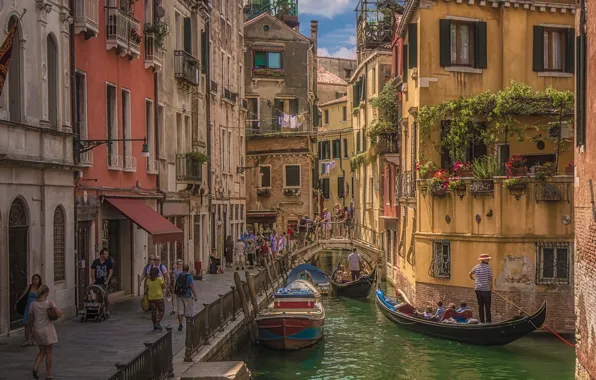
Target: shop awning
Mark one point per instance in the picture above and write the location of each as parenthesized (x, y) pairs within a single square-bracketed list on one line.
[(148, 219), (258, 216)]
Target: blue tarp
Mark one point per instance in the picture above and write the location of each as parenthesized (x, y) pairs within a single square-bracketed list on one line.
[(318, 276)]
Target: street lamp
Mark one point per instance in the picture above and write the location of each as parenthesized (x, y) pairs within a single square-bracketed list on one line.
[(82, 146)]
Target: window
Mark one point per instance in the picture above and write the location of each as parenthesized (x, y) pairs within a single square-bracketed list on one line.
[(325, 188), (374, 80), (326, 117), (358, 142), (187, 35), (325, 150), (347, 73), (112, 125), (14, 75), (345, 148), (369, 191), (336, 148), (462, 44), (291, 175), (126, 129), (150, 131), (440, 266), (344, 114), (53, 94), (252, 116), (81, 109), (340, 187), (412, 60), (554, 49), (270, 60), (552, 263), (59, 245)]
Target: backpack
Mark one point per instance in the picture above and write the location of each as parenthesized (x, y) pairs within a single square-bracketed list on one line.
[(181, 284)]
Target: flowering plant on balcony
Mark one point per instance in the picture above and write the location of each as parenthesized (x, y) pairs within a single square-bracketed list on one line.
[(571, 164), (439, 183), (425, 168), (545, 170), (512, 182), (160, 30), (454, 184), (198, 156), (135, 36), (263, 192), (516, 165), (267, 72), (462, 169)]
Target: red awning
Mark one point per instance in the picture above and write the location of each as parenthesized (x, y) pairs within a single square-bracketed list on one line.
[(148, 219)]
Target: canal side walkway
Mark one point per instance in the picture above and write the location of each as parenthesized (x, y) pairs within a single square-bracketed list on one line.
[(90, 350)]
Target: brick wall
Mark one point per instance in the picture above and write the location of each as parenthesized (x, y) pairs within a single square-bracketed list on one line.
[(559, 316), (402, 283)]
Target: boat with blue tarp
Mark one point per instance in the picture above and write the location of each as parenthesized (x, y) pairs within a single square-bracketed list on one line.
[(312, 274)]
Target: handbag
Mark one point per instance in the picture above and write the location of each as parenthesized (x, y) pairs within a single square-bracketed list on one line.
[(52, 313)]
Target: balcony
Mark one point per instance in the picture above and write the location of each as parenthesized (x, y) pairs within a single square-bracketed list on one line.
[(265, 72), (86, 159), (152, 166), (153, 51), (123, 32), (230, 96), (213, 87), (389, 147), (273, 127), (129, 164), (405, 185), (114, 162), (374, 24), (244, 105), (186, 68), (87, 18), (188, 169)]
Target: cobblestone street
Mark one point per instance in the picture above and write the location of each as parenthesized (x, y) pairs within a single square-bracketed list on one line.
[(90, 350)]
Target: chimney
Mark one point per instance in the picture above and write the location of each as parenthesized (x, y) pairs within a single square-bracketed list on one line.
[(314, 32)]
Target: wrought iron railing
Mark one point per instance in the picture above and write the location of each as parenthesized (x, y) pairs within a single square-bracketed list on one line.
[(186, 67), (277, 126), (390, 143), (153, 52), (188, 168), (213, 87), (405, 185)]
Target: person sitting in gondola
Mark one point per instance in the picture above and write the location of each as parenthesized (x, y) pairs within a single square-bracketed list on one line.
[(462, 307), (340, 275), (440, 311), (428, 313)]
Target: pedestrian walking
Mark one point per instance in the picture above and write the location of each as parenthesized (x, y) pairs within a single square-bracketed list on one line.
[(24, 303), (482, 274), (145, 273), (326, 224), (251, 250), (274, 244), (350, 221), (101, 272), (176, 270), (264, 253), (156, 287), (239, 250), (41, 314), (185, 294), (229, 251), (282, 244), (302, 228)]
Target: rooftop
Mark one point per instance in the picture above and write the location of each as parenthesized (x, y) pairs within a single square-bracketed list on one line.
[(326, 77), (335, 101)]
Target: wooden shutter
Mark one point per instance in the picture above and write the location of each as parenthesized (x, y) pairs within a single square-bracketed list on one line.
[(413, 44), (326, 188), (355, 100), (538, 55), (363, 87), (340, 187), (570, 51), (358, 142), (580, 91), (294, 106), (319, 150), (187, 35), (404, 63), (480, 60), (445, 42), (204, 52)]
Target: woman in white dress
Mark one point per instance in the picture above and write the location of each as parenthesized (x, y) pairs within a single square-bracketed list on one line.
[(44, 332)]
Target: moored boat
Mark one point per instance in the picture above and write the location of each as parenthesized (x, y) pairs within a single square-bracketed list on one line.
[(294, 319), (357, 289), (493, 334), (312, 274)]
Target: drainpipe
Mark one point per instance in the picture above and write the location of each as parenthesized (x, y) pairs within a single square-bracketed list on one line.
[(76, 129), (363, 136), (156, 120), (341, 166), (209, 130)]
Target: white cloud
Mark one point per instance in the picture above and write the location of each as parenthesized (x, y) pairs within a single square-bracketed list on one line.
[(342, 52), (326, 8)]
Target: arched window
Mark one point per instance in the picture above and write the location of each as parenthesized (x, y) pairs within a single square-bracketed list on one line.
[(59, 241), (52, 57), (14, 76)]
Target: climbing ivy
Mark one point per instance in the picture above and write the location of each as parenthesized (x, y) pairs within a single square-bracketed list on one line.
[(358, 160), (389, 115), (490, 116)]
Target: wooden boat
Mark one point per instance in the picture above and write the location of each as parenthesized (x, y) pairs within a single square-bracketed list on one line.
[(294, 319), (494, 334), (357, 289), (312, 274)]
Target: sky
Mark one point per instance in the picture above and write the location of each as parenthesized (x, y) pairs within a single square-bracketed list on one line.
[(337, 25)]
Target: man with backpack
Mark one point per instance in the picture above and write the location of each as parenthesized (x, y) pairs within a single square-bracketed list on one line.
[(185, 294)]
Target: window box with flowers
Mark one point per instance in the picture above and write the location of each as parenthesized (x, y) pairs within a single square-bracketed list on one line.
[(484, 169), (544, 171), (570, 168), (438, 185), (458, 187), (292, 192), (267, 72), (517, 166), (463, 169), (517, 186), (426, 169), (263, 192)]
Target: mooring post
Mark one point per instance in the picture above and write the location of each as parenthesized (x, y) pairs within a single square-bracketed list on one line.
[(233, 303), (251, 291), (244, 301)]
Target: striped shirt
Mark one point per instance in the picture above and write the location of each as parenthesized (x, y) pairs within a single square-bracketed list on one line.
[(484, 274)]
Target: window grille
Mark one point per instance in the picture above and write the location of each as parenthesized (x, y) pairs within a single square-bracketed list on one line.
[(411, 251), (440, 266), (552, 263), (59, 241), (402, 241)]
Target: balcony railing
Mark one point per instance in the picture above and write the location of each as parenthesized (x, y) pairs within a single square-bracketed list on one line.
[(188, 169), (115, 162), (270, 127), (390, 143), (153, 52), (123, 32), (267, 73), (87, 17), (405, 185), (186, 67), (244, 104), (129, 164), (152, 166), (213, 87), (230, 96), (86, 159)]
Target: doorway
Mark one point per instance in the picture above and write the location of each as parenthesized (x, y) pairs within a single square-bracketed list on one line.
[(111, 242), (18, 231), (84, 236)]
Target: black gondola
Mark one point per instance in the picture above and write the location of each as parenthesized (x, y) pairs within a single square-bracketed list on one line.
[(356, 289), (494, 334)]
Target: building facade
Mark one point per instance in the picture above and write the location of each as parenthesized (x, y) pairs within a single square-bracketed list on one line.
[(443, 230), (118, 201), (585, 223), (341, 67), (281, 92), (36, 160)]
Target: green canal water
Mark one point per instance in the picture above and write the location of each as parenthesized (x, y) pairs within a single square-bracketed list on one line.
[(360, 343)]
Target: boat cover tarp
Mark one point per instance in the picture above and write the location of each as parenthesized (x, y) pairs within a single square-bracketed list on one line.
[(318, 276)]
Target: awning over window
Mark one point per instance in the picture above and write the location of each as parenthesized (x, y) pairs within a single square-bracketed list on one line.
[(148, 219)]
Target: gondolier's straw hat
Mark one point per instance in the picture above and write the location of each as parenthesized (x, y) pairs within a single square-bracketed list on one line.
[(484, 256)]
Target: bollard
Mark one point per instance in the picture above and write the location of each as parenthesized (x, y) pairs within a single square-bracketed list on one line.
[(252, 292)]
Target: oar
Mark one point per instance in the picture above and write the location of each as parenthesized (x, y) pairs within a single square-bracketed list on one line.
[(543, 325)]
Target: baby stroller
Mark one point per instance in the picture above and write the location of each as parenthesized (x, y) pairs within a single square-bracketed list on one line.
[(95, 306)]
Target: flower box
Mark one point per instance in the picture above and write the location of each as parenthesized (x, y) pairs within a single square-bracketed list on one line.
[(521, 171), (570, 170), (292, 192), (482, 186), (439, 189), (263, 192)]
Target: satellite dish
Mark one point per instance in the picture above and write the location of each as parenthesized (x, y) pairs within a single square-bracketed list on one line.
[(160, 11)]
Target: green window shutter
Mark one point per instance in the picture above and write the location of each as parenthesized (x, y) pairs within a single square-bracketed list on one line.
[(481, 60), (413, 44), (355, 100), (358, 142), (187, 35), (580, 91), (294, 106), (570, 50), (340, 187), (538, 60), (445, 42), (204, 52), (319, 150), (404, 63), (260, 59)]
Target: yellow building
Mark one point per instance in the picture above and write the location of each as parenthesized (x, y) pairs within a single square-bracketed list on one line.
[(454, 50), (335, 146)]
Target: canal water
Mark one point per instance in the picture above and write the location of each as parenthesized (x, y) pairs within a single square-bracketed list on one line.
[(360, 343)]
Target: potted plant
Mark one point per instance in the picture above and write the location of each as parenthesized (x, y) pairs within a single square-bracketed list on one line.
[(198, 156), (570, 168), (517, 165), (484, 169), (438, 185), (263, 192), (455, 184), (516, 185), (135, 36), (542, 172), (292, 192), (426, 169), (463, 169), (160, 31)]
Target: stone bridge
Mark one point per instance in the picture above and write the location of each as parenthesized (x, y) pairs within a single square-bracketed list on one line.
[(369, 252)]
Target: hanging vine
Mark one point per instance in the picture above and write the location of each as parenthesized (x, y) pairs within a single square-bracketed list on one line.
[(389, 114), (490, 117)]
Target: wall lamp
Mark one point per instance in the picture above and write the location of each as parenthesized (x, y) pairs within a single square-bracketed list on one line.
[(82, 146)]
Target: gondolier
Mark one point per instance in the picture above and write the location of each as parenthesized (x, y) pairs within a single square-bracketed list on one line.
[(355, 260), (482, 274)]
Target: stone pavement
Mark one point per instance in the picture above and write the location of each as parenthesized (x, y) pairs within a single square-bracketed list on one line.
[(89, 351)]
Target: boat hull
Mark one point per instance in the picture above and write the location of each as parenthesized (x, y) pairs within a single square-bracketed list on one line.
[(495, 334), (355, 289), (289, 333)]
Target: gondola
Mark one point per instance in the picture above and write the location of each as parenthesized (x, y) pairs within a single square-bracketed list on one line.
[(356, 289), (494, 334)]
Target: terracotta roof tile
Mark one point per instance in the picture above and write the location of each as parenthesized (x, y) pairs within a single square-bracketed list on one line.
[(327, 77)]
